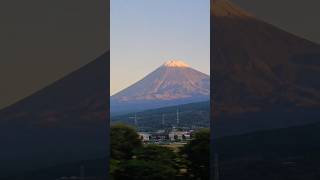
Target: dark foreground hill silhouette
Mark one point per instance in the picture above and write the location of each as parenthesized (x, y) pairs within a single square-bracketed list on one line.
[(263, 77), (286, 153), (64, 122)]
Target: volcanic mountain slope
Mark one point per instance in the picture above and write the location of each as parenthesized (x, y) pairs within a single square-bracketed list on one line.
[(172, 83), (64, 122), (258, 67)]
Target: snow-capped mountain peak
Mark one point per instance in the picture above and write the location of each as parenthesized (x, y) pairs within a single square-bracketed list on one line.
[(175, 63)]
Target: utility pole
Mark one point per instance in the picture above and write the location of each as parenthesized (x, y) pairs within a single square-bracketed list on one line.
[(216, 167), (162, 122), (82, 175), (135, 119), (178, 120)]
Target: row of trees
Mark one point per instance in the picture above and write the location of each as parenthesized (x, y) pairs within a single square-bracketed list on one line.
[(131, 160)]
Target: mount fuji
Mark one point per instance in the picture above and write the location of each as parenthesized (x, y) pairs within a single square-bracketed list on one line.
[(264, 77), (173, 83)]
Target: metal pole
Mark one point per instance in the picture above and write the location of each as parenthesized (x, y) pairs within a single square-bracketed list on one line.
[(162, 119), (135, 120), (82, 175), (178, 120)]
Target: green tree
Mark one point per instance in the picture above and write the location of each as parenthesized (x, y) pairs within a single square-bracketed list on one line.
[(197, 152), (114, 166), (124, 140), (160, 154), (144, 170), (149, 162)]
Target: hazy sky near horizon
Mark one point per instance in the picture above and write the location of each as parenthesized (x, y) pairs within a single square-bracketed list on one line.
[(146, 33)]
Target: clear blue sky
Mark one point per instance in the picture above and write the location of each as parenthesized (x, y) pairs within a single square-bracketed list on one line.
[(146, 33)]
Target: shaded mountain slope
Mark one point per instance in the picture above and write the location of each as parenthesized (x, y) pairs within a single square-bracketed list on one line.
[(81, 89), (63, 122), (260, 68)]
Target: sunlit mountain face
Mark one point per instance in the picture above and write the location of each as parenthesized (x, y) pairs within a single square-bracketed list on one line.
[(175, 82), (261, 73)]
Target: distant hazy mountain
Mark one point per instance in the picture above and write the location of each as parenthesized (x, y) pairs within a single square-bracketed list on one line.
[(190, 115), (64, 122), (172, 83), (264, 76)]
